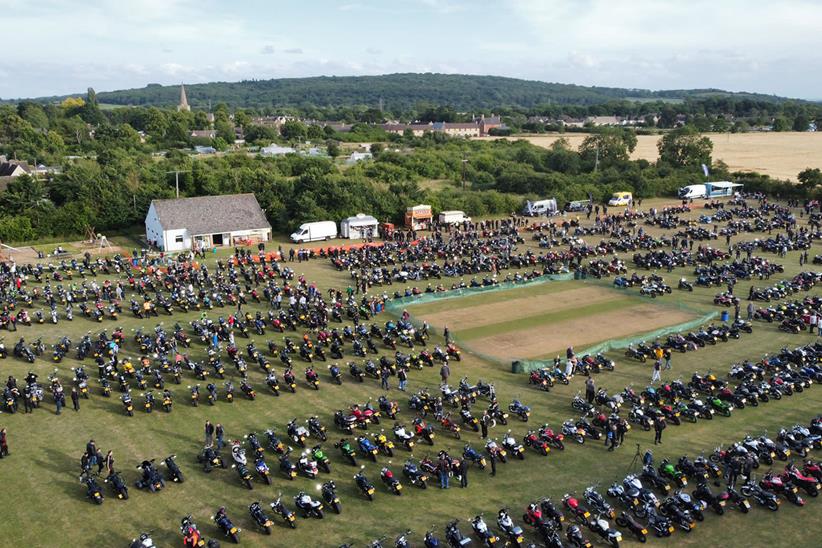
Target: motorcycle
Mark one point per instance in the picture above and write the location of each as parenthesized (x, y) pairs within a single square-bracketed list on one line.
[(226, 526), (280, 509), (175, 474), (119, 486), (454, 536), (512, 446), (600, 526), (259, 517), (576, 509), (329, 494), (627, 521), (485, 535), (309, 507), (414, 475), (393, 484), (364, 485), (508, 527)]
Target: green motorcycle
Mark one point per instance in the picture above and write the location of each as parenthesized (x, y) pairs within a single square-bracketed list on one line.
[(669, 471), (347, 451), (720, 406), (321, 459)]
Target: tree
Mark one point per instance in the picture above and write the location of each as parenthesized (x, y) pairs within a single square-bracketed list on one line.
[(376, 148), (293, 130), (810, 177), (608, 146), (685, 147), (800, 123), (333, 148), (225, 130), (780, 123)]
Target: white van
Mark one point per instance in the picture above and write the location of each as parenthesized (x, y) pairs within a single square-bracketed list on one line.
[(540, 207), (453, 217), (312, 232), (717, 189)]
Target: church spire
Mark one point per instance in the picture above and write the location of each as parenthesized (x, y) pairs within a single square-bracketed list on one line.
[(183, 106)]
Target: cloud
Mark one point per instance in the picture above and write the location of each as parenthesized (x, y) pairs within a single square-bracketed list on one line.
[(267, 50), (373, 51), (294, 51)]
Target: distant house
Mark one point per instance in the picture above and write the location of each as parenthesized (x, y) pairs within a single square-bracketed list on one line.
[(204, 133), (13, 168), (276, 150), (487, 124), (602, 121), (187, 223), (358, 157)]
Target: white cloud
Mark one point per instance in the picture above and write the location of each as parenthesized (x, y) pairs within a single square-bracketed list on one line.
[(294, 51), (267, 50)]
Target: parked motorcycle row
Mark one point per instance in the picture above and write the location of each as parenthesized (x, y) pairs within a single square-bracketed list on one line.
[(150, 478), (708, 335)]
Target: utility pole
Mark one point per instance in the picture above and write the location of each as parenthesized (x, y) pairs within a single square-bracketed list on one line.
[(177, 179), (464, 164)]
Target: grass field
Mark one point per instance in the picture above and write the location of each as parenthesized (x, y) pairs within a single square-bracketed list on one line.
[(782, 155), (49, 507)]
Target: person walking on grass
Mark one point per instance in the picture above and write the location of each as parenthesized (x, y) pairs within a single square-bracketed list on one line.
[(75, 399), (667, 356), (209, 434), (656, 375), (445, 372), (4, 443), (590, 390), (659, 426)]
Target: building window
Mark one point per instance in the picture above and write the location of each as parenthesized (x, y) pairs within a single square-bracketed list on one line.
[(178, 239)]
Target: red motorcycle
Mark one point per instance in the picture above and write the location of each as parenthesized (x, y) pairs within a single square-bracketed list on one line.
[(576, 509), (531, 439), (809, 483), (776, 484), (813, 469), (552, 438), (450, 426)]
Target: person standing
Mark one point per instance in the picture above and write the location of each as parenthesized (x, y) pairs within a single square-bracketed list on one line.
[(445, 372), (492, 456), (484, 420), (219, 432), (622, 427), (443, 469), (58, 399), (27, 399), (590, 390), (812, 322), (463, 473), (667, 356), (384, 374), (447, 334), (657, 366), (4, 443), (750, 311), (611, 437), (659, 426), (91, 451), (75, 399), (109, 462), (209, 434), (402, 377)]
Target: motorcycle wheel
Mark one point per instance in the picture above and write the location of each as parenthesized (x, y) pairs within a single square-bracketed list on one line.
[(267, 530), (521, 455), (369, 497), (621, 522), (389, 451), (125, 494), (456, 435), (503, 421), (642, 539), (772, 506), (235, 538), (812, 491), (580, 439)]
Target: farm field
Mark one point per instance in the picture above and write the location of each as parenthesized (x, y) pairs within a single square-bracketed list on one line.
[(779, 154), (45, 449)]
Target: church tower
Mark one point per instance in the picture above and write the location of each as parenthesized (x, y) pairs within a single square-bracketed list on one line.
[(183, 106)]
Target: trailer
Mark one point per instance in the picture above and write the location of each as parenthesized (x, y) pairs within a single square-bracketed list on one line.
[(418, 217), (708, 191), (359, 227), (540, 207)]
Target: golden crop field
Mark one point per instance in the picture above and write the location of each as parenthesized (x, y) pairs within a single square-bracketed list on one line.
[(782, 155)]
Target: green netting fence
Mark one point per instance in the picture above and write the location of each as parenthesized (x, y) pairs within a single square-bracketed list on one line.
[(395, 305), (526, 366)]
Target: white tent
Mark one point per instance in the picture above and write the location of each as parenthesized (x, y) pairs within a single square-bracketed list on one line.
[(358, 227)]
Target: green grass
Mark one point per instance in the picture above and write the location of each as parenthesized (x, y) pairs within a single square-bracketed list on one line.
[(43, 468), (548, 318)]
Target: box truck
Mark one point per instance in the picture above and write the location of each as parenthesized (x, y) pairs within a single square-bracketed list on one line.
[(708, 190), (452, 217), (312, 232)]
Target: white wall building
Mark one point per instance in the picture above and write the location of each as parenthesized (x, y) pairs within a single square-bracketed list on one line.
[(207, 221)]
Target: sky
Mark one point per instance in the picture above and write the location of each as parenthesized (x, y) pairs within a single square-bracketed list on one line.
[(55, 47)]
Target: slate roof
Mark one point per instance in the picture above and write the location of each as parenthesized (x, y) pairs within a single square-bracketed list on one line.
[(211, 214)]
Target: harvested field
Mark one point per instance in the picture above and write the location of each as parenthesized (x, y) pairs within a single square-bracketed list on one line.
[(782, 154), (549, 339)]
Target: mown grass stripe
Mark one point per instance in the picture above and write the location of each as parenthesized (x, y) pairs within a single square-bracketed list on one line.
[(546, 318), (489, 297)]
